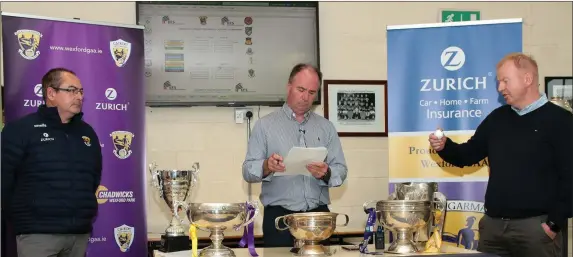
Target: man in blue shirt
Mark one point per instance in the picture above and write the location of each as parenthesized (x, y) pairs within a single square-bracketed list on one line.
[(293, 125)]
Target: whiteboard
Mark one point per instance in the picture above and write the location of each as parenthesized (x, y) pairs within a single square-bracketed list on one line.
[(225, 53)]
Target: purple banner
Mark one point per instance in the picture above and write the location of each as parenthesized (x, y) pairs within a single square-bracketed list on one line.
[(109, 62)]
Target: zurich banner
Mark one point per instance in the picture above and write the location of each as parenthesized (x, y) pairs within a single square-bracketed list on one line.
[(444, 76)]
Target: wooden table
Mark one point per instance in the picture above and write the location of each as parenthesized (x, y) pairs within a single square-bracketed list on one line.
[(449, 251)]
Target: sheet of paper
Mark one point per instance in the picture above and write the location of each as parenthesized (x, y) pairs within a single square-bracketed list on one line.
[(298, 157)]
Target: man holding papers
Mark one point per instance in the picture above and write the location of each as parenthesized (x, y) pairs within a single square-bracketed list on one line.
[(297, 156)]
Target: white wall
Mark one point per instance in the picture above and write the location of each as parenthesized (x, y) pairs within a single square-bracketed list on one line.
[(353, 46)]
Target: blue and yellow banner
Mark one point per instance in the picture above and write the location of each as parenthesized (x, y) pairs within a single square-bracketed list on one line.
[(444, 76)]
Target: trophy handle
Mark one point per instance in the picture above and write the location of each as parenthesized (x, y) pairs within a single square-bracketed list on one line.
[(194, 173), (393, 196), (345, 223), (184, 207), (284, 222), (439, 202), (439, 205), (366, 204), (189, 216), (255, 205), (155, 179), (254, 211)]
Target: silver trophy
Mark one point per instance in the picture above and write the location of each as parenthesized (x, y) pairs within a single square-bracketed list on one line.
[(427, 191), (420, 199), (403, 217), (218, 217), (174, 187), (310, 228)]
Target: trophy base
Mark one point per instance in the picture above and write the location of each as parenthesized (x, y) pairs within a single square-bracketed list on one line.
[(174, 243), (402, 246), (221, 251), (312, 250)]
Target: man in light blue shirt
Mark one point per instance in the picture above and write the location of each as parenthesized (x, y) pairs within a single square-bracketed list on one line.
[(293, 125)]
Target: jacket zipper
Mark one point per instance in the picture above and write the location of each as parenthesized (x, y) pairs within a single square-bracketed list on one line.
[(73, 217)]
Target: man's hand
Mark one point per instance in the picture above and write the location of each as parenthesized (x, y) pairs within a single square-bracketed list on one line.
[(317, 169), (548, 231), (437, 144), (273, 164)]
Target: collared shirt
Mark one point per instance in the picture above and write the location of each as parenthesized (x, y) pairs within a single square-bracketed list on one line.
[(533, 106), (277, 133)]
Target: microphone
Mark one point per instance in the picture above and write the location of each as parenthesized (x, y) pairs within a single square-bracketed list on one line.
[(302, 130)]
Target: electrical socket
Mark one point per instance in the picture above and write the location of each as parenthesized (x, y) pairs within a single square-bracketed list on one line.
[(241, 114)]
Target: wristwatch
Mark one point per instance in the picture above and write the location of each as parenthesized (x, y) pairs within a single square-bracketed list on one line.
[(553, 226), (326, 176)]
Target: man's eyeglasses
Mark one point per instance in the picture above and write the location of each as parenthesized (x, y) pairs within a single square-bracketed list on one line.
[(73, 90)]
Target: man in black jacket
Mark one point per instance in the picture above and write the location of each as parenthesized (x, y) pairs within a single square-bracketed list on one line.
[(529, 143), (51, 168)]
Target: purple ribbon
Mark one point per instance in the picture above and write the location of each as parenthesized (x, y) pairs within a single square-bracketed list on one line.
[(249, 232), (368, 231)]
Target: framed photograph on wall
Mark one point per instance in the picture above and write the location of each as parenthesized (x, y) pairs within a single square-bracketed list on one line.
[(562, 89), (357, 108), (559, 87)]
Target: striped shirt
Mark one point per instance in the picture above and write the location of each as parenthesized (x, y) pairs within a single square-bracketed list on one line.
[(277, 133)]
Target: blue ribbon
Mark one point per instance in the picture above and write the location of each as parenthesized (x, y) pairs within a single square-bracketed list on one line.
[(368, 230)]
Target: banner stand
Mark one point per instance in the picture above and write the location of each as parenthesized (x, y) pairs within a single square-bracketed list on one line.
[(109, 61), (443, 75), (2, 254)]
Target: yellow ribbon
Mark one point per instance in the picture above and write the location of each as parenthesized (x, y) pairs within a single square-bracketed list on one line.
[(193, 237)]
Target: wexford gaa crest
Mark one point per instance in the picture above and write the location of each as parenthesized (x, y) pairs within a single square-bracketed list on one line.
[(203, 20), (29, 41), (122, 143), (124, 237), (86, 140), (120, 51)]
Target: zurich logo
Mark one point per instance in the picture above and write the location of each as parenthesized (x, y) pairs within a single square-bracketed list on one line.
[(38, 90), (453, 58), (110, 94)]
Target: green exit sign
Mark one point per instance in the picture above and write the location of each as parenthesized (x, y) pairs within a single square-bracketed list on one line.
[(454, 16)]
